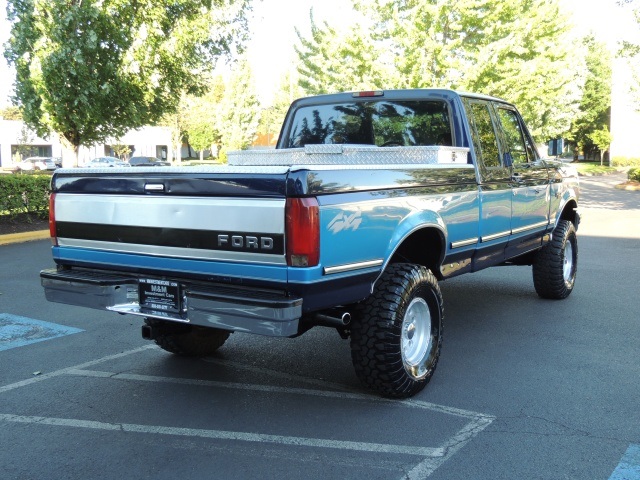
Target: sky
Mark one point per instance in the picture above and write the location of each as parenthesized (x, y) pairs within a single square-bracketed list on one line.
[(271, 53)]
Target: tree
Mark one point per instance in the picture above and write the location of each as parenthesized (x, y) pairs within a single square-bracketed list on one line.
[(239, 113), (332, 60), (121, 150), (200, 117), (91, 70), (226, 118), (272, 117), (11, 113), (595, 105), (516, 50), (602, 139)]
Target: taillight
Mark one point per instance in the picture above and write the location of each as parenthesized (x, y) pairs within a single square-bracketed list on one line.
[(370, 93), (52, 219), (303, 232)]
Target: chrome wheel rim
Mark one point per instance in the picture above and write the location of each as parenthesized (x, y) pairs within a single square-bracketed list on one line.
[(415, 340), (567, 266)]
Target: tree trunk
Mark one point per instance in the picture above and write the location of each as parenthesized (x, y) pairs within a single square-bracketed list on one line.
[(69, 155)]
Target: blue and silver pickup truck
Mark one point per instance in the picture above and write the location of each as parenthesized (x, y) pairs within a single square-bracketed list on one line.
[(368, 201)]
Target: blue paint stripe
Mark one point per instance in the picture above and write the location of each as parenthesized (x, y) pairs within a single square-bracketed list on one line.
[(16, 331), (629, 466)]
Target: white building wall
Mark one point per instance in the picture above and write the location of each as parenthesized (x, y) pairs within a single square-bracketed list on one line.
[(148, 141), (625, 117)]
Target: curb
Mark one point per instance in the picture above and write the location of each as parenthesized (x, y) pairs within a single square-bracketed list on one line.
[(628, 187), (24, 237)]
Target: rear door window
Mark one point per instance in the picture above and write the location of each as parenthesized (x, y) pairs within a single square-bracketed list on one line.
[(483, 133), (516, 139)]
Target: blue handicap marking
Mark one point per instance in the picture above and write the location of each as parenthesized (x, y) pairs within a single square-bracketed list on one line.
[(629, 466), (18, 331)]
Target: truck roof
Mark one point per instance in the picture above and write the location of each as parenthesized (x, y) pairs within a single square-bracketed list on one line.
[(393, 94)]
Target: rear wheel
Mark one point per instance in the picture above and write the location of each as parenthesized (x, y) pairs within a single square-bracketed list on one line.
[(187, 340), (556, 264), (396, 336)]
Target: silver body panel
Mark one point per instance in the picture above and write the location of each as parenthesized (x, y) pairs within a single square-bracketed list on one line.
[(189, 213)]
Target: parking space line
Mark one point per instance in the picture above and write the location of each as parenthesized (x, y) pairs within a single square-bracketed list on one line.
[(450, 447), (64, 371), (276, 389), (432, 457), (227, 435)]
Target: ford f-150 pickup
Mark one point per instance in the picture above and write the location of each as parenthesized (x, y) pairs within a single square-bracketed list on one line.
[(368, 201)]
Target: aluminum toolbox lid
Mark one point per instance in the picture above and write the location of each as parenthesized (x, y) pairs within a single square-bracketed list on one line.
[(349, 155)]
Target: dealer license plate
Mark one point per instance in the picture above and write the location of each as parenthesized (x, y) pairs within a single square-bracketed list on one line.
[(159, 295)]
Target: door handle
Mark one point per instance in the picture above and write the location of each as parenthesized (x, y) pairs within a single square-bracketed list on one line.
[(517, 177)]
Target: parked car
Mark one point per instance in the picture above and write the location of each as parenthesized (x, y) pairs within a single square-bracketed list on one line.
[(106, 162), (36, 163), (141, 161)]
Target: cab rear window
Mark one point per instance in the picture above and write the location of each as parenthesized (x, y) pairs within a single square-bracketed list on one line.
[(381, 123)]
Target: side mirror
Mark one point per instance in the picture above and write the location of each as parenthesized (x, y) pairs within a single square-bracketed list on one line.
[(508, 160), (555, 147)]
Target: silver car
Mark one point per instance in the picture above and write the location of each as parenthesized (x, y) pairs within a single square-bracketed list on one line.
[(36, 163), (105, 162)]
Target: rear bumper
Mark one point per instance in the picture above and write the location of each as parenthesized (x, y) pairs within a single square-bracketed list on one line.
[(229, 308)]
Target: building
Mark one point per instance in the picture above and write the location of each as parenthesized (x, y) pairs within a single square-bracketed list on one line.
[(17, 142), (625, 116)]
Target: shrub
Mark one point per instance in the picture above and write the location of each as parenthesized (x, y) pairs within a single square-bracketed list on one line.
[(634, 174), (625, 162), (24, 194)]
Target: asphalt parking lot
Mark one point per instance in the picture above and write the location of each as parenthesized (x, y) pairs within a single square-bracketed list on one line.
[(526, 388)]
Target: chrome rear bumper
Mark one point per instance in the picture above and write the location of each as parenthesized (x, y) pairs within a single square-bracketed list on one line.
[(228, 308)]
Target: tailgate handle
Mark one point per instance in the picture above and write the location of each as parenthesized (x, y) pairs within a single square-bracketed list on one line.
[(154, 187)]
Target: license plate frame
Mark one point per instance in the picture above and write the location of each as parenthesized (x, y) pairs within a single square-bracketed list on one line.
[(160, 296)]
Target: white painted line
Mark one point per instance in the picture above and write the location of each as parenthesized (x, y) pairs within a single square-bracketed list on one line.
[(434, 457), (64, 371), (275, 389), (450, 448), (225, 435)]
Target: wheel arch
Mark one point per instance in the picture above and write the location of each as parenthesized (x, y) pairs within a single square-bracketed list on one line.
[(423, 245), (569, 212)]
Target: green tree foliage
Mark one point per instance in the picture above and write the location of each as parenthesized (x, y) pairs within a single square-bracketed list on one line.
[(121, 150), (239, 113), (272, 117), (90, 70), (11, 113), (199, 116), (517, 50), (333, 60), (226, 118), (601, 138), (595, 105)]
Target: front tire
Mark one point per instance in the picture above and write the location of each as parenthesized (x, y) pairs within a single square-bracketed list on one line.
[(556, 264), (396, 336), (187, 340)]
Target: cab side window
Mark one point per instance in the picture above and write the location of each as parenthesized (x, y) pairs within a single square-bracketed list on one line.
[(516, 141), (483, 133)]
